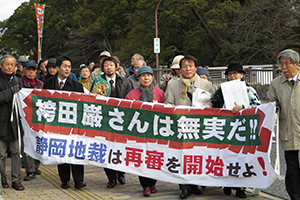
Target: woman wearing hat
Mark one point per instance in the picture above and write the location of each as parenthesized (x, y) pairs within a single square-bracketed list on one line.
[(149, 93), (235, 71)]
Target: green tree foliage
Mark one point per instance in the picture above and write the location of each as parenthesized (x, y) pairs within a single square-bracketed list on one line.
[(215, 31), (20, 31)]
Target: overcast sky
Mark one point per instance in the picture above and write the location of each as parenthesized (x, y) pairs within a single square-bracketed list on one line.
[(7, 7)]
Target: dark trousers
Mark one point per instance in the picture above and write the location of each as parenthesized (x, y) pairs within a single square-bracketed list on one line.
[(292, 177), (64, 172), (112, 174), (146, 182), (188, 187)]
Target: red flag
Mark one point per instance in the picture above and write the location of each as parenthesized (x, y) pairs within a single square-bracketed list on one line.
[(39, 11)]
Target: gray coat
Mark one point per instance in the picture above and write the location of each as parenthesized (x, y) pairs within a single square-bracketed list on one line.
[(287, 98)]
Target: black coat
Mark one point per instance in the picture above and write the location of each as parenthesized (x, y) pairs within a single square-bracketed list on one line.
[(70, 84), (123, 86), (218, 100), (9, 130)]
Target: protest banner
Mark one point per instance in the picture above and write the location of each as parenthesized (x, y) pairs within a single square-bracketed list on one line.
[(187, 145)]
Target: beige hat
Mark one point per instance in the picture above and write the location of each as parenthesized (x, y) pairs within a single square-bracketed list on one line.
[(104, 53), (176, 61)]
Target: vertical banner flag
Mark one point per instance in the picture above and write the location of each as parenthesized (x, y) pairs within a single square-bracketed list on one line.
[(39, 11)]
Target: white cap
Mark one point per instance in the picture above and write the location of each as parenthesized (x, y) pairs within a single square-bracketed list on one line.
[(104, 53), (176, 61)]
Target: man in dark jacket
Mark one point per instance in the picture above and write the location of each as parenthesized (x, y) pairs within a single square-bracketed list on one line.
[(10, 132), (120, 87), (62, 81), (30, 80)]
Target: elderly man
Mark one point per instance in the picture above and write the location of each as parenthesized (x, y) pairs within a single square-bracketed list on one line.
[(31, 81), (62, 81), (102, 56), (285, 91), (133, 78), (10, 132), (179, 92), (134, 58)]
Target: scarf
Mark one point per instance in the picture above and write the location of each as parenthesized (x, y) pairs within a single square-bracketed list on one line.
[(85, 83), (147, 93), (31, 82), (186, 86)]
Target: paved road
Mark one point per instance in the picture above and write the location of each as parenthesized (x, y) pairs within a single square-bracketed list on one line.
[(47, 187), (278, 187)]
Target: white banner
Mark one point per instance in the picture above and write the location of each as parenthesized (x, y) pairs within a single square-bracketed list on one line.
[(208, 146)]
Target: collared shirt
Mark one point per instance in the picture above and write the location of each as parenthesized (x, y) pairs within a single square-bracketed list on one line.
[(295, 77), (114, 79), (59, 80)]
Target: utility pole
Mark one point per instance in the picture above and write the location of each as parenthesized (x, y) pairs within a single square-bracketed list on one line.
[(156, 39)]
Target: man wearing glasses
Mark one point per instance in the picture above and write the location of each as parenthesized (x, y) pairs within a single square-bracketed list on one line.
[(285, 91)]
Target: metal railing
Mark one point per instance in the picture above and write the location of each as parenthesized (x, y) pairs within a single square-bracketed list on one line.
[(257, 76)]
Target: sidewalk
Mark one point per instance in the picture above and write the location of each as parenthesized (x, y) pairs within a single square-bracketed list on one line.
[(47, 186)]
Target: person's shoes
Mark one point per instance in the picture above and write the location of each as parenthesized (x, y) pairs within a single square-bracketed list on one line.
[(65, 185), (4, 182), (184, 194), (29, 176), (111, 184), (153, 189), (147, 192), (38, 172), (17, 185), (196, 191), (80, 185), (227, 191), (121, 179), (241, 193)]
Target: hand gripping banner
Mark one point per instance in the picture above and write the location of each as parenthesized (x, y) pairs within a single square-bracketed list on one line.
[(187, 145)]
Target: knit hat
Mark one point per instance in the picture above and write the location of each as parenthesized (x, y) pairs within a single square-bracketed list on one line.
[(29, 63), (51, 62), (145, 69), (234, 67), (104, 53), (176, 61), (201, 71)]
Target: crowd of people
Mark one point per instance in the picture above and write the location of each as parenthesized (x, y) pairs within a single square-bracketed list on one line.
[(137, 82)]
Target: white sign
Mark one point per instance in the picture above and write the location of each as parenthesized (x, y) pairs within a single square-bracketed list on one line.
[(156, 45), (235, 91)]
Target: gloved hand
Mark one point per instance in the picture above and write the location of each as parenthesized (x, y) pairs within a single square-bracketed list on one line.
[(15, 88)]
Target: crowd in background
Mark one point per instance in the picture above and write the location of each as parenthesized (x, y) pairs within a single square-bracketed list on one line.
[(135, 83)]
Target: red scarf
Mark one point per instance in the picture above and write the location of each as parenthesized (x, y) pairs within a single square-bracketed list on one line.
[(31, 82)]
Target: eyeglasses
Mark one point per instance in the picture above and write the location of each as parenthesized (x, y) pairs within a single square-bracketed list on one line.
[(285, 63)]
